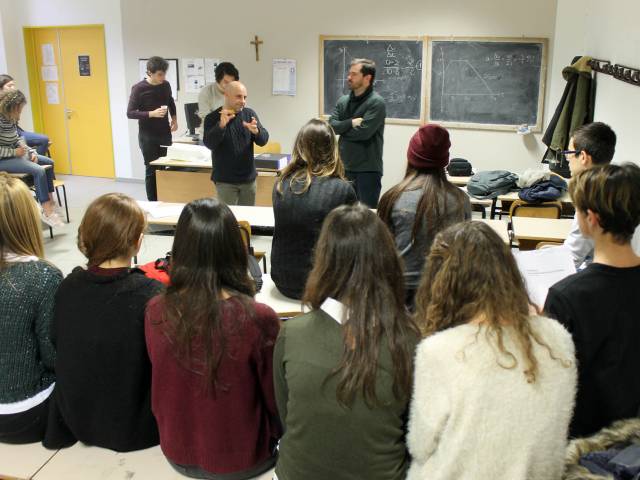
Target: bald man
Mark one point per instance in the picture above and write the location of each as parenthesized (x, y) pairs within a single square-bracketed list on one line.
[(230, 132)]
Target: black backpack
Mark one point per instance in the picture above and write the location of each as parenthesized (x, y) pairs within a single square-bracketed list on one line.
[(459, 167)]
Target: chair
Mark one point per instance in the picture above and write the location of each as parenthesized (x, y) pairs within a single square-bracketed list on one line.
[(270, 147), (245, 230), (57, 184), (520, 208)]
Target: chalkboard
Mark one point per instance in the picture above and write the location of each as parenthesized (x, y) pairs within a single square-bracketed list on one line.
[(399, 67), (486, 83)]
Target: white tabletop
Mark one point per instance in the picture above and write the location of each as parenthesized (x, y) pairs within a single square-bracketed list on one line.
[(542, 229), (271, 296), (500, 227), (22, 461), (261, 217)]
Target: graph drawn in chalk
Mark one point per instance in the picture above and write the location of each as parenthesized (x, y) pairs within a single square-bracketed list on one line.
[(482, 90)]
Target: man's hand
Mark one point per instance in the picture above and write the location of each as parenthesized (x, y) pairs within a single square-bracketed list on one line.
[(174, 124), (158, 112), (226, 116), (252, 126), (356, 122), (34, 157), (21, 151)]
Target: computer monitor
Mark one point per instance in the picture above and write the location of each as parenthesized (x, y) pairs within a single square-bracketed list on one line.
[(193, 120)]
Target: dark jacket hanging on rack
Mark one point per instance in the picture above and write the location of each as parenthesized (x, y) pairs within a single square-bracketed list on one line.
[(574, 110)]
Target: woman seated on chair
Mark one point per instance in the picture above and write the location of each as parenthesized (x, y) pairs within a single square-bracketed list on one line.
[(310, 187), (27, 288), (17, 157), (343, 372), (494, 383), (211, 346), (424, 203), (35, 140), (103, 390)]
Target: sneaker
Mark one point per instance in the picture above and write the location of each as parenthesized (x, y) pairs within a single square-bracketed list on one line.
[(52, 220)]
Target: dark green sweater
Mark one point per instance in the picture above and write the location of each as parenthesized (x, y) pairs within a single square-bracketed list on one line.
[(360, 147), (27, 355), (322, 439)]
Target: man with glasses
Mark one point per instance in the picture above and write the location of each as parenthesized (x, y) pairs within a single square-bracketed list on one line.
[(590, 145)]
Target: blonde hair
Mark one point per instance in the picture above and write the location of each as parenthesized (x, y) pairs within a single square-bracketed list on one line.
[(315, 154), (470, 273), (19, 220)]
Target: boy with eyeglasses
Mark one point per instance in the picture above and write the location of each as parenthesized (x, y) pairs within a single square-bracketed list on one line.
[(590, 145)]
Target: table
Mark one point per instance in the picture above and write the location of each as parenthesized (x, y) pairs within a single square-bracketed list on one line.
[(269, 295), (500, 227), (530, 231), (185, 175)]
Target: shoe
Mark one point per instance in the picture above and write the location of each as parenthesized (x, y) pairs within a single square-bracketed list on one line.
[(52, 220)]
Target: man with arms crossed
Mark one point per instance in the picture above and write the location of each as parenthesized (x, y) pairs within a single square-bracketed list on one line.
[(359, 120), (230, 132)]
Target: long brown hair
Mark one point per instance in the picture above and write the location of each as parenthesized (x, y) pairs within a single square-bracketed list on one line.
[(208, 256), (432, 207), (315, 154), (471, 274), (110, 228), (20, 232), (355, 262)]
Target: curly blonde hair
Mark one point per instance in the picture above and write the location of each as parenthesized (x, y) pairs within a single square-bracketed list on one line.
[(470, 274)]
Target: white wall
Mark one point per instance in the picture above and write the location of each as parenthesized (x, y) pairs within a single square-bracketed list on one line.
[(290, 29), (16, 15), (605, 30)]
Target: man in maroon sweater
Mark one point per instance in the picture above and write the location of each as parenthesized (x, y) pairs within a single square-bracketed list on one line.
[(149, 103)]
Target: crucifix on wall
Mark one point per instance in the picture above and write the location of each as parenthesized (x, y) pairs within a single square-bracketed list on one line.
[(257, 42)]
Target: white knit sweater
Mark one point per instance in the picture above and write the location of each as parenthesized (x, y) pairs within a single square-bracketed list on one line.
[(471, 418)]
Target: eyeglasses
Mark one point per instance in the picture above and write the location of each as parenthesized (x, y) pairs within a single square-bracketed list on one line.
[(569, 152)]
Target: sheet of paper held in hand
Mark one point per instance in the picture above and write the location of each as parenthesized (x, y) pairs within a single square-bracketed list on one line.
[(543, 268)]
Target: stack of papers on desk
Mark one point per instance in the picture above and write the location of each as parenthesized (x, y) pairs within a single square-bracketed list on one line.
[(544, 268), (186, 152)]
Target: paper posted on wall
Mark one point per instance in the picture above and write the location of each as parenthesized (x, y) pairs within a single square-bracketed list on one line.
[(284, 76)]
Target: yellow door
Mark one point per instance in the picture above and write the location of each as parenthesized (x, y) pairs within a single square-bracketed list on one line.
[(80, 125), (47, 96)]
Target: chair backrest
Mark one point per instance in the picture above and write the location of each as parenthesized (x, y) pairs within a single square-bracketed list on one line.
[(270, 147), (245, 231), (520, 208)]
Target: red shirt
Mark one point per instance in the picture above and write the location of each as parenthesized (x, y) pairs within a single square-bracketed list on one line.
[(236, 429)]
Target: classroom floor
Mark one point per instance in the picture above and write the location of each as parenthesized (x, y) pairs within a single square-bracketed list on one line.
[(62, 250)]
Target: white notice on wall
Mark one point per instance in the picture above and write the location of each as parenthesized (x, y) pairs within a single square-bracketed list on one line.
[(284, 76), (193, 66), (210, 65), (53, 97), (48, 58), (49, 73), (195, 83)]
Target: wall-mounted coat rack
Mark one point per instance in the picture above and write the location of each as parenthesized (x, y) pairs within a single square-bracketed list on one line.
[(626, 74)]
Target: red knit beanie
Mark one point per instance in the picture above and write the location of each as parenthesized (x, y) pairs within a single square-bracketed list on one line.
[(429, 147)]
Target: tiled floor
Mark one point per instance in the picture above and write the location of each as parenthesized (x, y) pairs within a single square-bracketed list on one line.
[(62, 250)]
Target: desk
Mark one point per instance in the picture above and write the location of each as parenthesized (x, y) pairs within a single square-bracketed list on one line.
[(23, 461), (531, 231), (500, 227), (458, 181), (260, 218), (270, 295), (186, 175)]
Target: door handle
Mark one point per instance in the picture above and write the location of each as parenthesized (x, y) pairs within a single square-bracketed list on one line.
[(68, 112)]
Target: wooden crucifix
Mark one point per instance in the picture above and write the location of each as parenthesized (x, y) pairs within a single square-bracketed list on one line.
[(257, 42)]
